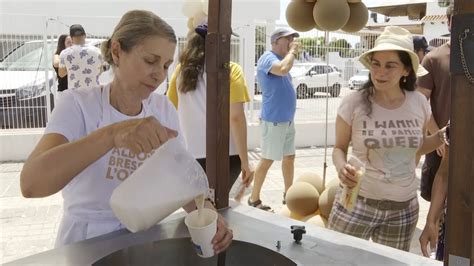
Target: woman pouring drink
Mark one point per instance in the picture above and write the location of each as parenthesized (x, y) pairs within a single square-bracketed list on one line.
[(92, 132)]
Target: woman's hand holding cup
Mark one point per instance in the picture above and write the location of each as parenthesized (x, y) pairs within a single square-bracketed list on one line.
[(347, 175), (351, 172)]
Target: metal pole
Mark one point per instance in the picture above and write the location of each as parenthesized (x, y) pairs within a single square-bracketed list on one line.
[(46, 56), (325, 165)]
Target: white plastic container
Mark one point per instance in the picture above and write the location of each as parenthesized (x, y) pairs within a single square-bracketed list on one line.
[(167, 180)]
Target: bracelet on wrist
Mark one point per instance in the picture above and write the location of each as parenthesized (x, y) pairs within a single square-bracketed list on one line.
[(441, 136)]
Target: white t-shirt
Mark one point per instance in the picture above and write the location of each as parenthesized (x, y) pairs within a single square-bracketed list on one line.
[(83, 64), (387, 142), (192, 114), (87, 212)]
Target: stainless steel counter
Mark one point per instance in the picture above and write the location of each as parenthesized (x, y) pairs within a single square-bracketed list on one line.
[(318, 246)]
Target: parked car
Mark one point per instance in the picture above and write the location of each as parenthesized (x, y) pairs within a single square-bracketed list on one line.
[(257, 89), (359, 79), (23, 85), (309, 78)]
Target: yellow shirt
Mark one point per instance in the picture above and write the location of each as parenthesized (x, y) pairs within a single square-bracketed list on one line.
[(192, 108), (238, 88)]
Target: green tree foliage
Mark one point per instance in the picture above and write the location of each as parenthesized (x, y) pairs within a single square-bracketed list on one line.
[(316, 47), (313, 46), (260, 41), (342, 46)]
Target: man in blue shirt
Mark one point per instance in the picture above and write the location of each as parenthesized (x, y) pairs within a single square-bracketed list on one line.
[(278, 111)]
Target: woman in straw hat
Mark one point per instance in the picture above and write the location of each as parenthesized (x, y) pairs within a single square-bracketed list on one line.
[(385, 122)]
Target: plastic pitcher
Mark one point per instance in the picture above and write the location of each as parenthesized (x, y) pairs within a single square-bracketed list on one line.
[(166, 181)]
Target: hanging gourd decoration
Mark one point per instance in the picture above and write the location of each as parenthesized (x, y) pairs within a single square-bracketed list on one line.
[(312, 178), (205, 6), (331, 15), (302, 198), (199, 18), (190, 24), (191, 8), (358, 18), (196, 12), (299, 15), (316, 26), (318, 220), (326, 199)]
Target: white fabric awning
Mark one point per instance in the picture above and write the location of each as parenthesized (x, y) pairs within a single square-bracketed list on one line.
[(414, 9)]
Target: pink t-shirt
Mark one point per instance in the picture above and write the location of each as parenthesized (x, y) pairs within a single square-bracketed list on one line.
[(387, 142)]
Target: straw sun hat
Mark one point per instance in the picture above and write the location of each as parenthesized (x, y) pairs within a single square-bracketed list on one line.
[(395, 39)]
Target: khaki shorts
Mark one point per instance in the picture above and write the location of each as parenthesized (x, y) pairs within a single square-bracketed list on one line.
[(278, 139)]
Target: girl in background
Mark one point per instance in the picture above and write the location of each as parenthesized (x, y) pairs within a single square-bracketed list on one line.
[(187, 91), (64, 41)]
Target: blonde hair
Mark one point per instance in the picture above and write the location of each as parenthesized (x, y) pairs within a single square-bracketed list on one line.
[(134, 27), (192, 62)]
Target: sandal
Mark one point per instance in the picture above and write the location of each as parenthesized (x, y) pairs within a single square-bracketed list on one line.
[(258, 204)]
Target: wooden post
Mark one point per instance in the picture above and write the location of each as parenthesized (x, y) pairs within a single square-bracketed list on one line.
[(459, 248), (217, 107), (217, 117)]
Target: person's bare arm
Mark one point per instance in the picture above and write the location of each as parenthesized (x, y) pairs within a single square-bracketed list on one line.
[(432, 129), (424, 91), (283, 67), (55, 162), (345, 171), (439, 190), (238, 127), (433, 124), (56, 60), (438, 197), (62, 72), (431, 142)]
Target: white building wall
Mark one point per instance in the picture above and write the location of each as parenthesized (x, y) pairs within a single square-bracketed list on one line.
[(432, 8), (435, 29), (16, 145)]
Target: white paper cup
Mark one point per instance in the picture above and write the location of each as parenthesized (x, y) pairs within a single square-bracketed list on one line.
[(202, 231)]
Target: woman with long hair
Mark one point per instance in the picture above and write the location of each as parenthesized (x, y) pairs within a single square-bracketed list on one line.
[(64, 41), (187, 91), (385, 122)]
